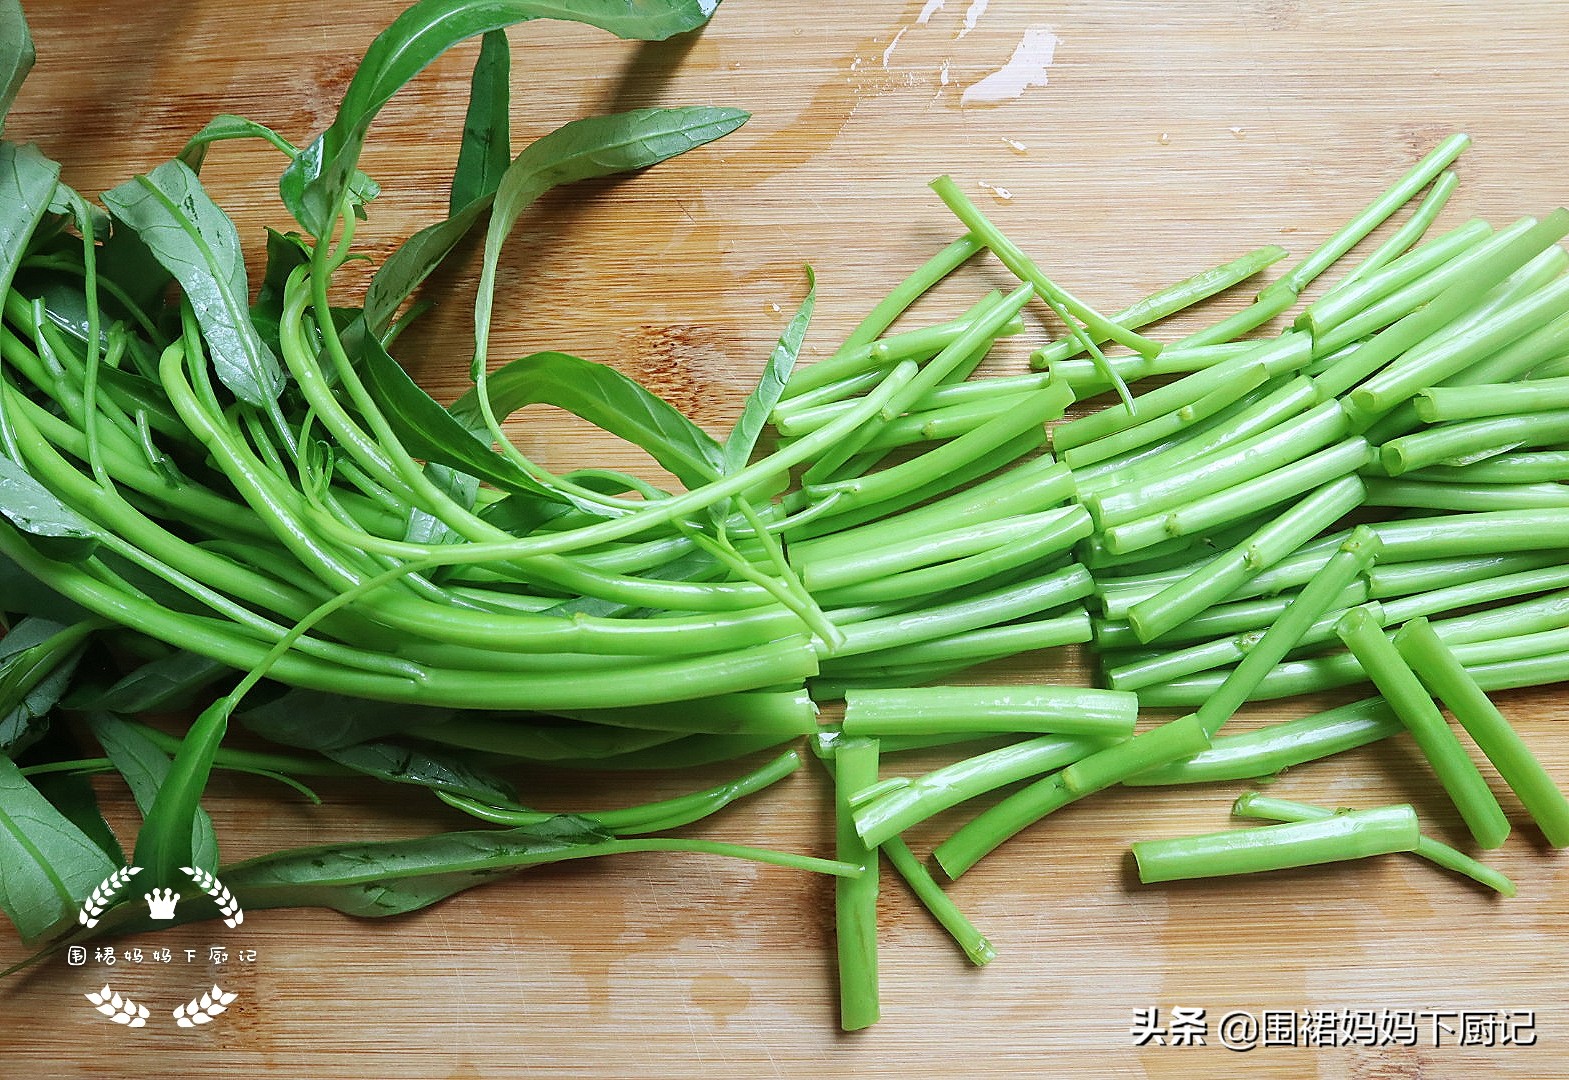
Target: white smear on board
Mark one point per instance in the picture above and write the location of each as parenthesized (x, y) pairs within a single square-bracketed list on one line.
[(892, 45), (1015, 145), (932, 7), (943, 74), (1001, 194), (1026, 68), (972, 15)]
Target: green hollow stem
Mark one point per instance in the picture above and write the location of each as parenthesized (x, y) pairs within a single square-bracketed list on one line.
[(992, 827), (1285, 353), (1473, 281), (1029, 488), (1376, 213), (895, 811), (1052, 537), (1221, 577), (1171, 423), (1273, 748), (985, 322), (1432, 363), (1443, 673), (1355, 834), (1046, 709), (1405, 579), (1453, 443), (946, 459), (1157, 491), (1525, 467), (1284, 634), (976, 947), (1083, 322), (973, 538), (1440, 403), (1166, 302), (1087, 380), (1467, 789), (1414, 228), (968, 613), (1250, 497), (1416, 494), (855, 899), (1358, 294), (1265, 808), (973, 646)]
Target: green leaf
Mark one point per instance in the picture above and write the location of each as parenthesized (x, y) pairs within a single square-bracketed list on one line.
[(72, 794), (397, 876), (312, 186), (422, 767), (170, 682), (47, 864), (196, 242), (16, 54), (431, 432), (285, 252), (171, 825), (27, 184), (604, 397), (25, 595), (760, 403), (145, 767), (413, 262), (51, 526), (318, 720), (423, 527), (37, 659), (580, 150), (486, 149)]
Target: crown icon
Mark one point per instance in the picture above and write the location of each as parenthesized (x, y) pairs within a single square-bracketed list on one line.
[(160, 903)]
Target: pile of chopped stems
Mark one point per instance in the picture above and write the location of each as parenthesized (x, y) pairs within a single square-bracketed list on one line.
[(256, 502)]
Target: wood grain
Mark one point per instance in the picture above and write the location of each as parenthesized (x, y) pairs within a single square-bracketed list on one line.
[(1169, 137)]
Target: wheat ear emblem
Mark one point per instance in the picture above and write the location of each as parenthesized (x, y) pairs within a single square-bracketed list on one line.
[(228, 906), (122, 1010), (99, 900), (201, 1010)]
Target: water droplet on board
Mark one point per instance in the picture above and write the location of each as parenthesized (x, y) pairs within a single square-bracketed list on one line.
[(1001, 194), (1015, 145), (1239, 133), (1163, 138)]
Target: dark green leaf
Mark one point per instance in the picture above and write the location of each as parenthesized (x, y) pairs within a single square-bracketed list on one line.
[(72, 794), (486, 149), (397, 876), (53, 527), (604, 397), (24, 594), (37, 659), (169, 682), (443, 770), (317, 720), (422, 526), (760, 404), (313, 185), (431, 432), (414, 261), (145, 767), (16, 54), (171, 826), (130, 264), (580, 150), (47, 864), (285, 252), (27, 183), (197, 243)]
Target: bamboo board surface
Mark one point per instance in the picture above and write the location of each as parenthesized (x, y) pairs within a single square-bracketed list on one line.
[(1166, 138)]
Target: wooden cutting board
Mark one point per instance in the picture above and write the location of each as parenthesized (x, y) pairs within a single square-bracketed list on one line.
[(1166, 138)]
